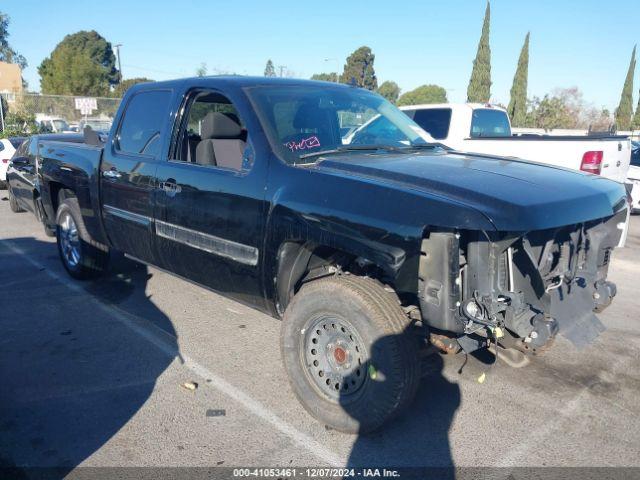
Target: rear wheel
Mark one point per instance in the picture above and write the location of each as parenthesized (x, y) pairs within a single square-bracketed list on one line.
[(350, 352), (80, 257), (13, 203)]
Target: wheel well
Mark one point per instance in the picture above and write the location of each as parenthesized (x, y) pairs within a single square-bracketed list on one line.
[(303, 261), (58, 193)]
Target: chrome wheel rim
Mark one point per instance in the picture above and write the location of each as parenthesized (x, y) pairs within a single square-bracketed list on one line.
[(69, 240), (334, 357)]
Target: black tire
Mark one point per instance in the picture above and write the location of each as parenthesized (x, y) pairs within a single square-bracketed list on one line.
[(13, 203), (387, 355), (91, 259)]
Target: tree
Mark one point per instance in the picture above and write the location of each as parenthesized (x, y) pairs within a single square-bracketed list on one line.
[(123, 86), (599, 120), (325, 77), (566, 108), (625, 107), (424, 94), (359, 69), (81, 64), (548, 113), (269, 70), (389, 90), (201, 71), (479, 89), (17, 121), (635, 123), (8, 54), (517, 108)]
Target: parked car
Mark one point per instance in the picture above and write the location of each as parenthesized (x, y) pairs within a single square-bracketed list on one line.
[(23, 173), (49, 124), (486, 129), (363, 249), (634, 177), (7, 149)]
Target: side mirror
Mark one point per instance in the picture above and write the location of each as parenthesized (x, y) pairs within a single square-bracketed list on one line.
[(20, 161)]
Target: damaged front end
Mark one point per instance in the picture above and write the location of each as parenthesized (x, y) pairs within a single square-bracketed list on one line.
[(520, 289)]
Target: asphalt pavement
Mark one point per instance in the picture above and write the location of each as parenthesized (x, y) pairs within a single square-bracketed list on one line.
[(93, 374)]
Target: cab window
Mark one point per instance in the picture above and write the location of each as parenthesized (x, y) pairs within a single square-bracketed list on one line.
[(489, 123), (435, 121), (139, 131), (211, 133)]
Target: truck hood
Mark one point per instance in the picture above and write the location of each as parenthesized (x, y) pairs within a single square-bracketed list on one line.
[(514, 195)]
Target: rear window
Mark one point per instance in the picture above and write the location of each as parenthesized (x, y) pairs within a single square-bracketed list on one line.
[(490, 123), (435, 121), (139, 131)]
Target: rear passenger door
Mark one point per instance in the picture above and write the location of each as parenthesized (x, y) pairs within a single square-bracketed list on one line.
[(210, 199), (127, 172)]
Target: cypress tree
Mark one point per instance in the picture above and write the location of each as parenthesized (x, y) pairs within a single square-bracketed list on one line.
[(635, 124), (479, 89), (517, 109), (269, 70), (625, 107)]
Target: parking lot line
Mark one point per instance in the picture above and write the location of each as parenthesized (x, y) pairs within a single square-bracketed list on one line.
[(154, 335)]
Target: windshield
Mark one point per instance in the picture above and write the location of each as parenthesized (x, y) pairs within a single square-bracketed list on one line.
[(303, 120), (16, 141), (635, 154), (490, 123)]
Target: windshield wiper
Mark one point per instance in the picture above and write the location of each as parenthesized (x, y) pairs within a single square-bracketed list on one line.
[(351, 148), (431, 146)]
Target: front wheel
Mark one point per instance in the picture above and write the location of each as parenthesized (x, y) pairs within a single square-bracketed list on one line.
[(80, 257), (351, 356)]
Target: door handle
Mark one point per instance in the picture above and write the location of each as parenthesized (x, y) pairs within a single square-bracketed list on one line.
[(113, 173), (170, 187)]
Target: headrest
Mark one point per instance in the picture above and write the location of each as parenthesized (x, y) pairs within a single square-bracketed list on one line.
[(219, 125), (311, 116)]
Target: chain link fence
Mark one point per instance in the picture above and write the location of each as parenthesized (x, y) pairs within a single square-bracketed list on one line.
[(28, 113)]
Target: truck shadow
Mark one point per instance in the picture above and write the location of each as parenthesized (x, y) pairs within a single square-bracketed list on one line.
[(419, 437), (72, 374)]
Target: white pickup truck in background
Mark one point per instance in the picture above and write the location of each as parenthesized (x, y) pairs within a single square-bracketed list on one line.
[(480, 128)]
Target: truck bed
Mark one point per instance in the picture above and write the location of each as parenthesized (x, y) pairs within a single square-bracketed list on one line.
[(565, 151), (74, 166)]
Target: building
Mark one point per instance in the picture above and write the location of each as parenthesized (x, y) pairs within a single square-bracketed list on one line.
[(10, 78)]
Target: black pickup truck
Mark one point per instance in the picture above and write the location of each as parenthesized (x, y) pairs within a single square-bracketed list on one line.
[(360, 243)]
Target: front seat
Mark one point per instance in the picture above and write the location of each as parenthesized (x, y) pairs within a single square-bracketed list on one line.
[(313, 121), (222, 144)]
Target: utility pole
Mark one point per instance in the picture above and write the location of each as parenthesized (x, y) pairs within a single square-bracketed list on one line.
[(281, 67), (117, 46), (1, 114)]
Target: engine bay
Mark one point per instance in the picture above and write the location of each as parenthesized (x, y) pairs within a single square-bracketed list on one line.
[(518, 288)]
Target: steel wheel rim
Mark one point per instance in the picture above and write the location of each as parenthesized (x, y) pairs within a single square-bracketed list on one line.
[(69, 240), (334, 357)]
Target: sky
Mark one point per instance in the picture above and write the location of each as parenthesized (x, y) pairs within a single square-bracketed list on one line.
[(583, 43)]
